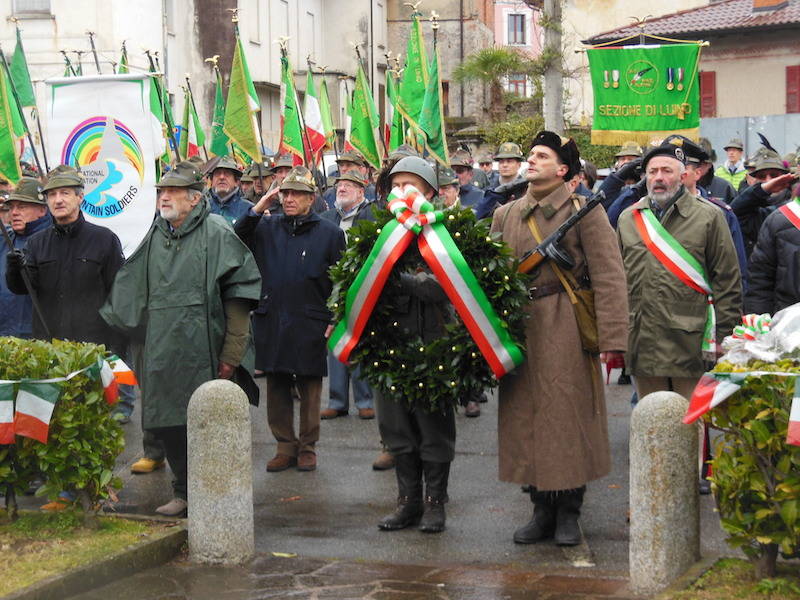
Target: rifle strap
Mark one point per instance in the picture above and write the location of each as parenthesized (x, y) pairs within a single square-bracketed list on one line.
[(566, 278)]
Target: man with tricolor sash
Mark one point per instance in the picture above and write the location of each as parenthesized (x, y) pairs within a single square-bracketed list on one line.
[(684, 284), (553, 431)]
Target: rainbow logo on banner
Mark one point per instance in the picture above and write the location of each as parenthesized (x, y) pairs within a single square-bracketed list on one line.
[(110, 159), (84, 142)]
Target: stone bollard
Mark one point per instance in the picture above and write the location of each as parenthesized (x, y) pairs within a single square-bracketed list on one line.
[(665, 515), (220, 474)]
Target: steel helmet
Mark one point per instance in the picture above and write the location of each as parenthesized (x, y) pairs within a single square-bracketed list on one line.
[(419, 167)]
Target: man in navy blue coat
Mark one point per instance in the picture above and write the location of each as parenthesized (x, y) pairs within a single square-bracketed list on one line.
[(294, 252)]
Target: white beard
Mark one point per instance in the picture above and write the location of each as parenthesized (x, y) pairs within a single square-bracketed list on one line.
[(169, 214)]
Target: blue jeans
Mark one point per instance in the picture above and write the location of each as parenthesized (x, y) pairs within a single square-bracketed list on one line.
[(339, 379)]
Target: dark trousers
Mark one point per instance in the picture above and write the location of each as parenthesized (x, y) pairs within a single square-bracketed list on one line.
[(280, 412), (174, 442), (153, 448), (411, 430)]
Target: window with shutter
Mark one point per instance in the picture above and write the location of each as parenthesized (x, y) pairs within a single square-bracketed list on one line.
[(708, 94), (793, 89)]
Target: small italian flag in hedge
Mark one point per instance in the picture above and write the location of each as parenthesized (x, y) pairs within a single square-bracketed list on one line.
[(793, 435), (6, 413), (35, 404), (112, 377)]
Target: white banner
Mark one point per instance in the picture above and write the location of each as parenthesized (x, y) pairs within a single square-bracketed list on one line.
[(103, 126)]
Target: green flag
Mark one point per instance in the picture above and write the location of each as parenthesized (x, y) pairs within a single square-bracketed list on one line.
[(325, 109), (364, 121), (21, 76), (122, 68), (67, 69), (394, 118), (241, 109), (644, 93), (192, 136), (9, 159), (291, 130), (219, 141), (431, 120), (415, 76)]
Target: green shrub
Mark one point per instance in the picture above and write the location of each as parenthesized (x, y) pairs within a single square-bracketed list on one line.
[(756, 474), (84, 440)]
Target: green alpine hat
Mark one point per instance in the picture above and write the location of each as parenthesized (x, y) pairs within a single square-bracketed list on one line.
[(402, 151), (355, 177), (769, 160), (352, 156), (28, 190), (447, 177), (509, 150), (734, 143), (63, 176), (461, 159), (183, 175), (226, 162), (253, 170), (284, 160), (629, 149), (485, 159), (299, 179)]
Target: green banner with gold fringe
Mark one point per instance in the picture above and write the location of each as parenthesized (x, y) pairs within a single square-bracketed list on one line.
[(644, 93)]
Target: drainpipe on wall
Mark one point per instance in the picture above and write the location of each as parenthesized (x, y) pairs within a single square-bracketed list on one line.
[(461, 49)]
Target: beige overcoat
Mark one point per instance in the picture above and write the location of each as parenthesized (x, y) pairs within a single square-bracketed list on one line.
[(552, 426)]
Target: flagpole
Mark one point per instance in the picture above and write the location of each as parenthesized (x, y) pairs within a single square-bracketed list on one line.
[(21, 114), (324, 177), (80, 63), (169, 126), (68, 62), (94, 50), (36, 112), (435, 27), (361, 64), (194, 108), (307, 145)]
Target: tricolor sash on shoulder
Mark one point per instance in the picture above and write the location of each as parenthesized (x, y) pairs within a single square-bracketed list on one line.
[(680, 263), (791, 210)]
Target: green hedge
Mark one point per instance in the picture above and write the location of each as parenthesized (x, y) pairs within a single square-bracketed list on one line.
[(84, 439)]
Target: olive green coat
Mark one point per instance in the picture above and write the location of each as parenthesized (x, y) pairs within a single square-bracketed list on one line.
[(552, 428), (667, 317), (168, 298)]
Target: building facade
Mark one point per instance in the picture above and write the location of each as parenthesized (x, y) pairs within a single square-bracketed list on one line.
[(516, 25), (182, 34)]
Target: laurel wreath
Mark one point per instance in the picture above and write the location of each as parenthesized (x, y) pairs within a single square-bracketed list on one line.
[(450, 369)]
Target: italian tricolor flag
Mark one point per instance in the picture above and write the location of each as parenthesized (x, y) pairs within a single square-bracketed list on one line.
[(35, 404), (6, 413), (112, 376), (712, 390), (793, 435)]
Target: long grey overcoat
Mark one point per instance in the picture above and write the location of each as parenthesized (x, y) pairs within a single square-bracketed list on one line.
[(552, 425)]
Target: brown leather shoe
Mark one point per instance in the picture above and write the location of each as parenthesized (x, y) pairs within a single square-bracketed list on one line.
[(473, 409), (332, 413), (306, 461), (384, 462), (281, 462), (366, 413)]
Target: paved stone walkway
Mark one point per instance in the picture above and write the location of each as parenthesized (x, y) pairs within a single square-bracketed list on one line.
[(314, 579)]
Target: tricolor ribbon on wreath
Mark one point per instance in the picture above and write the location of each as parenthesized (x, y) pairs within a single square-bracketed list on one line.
[(26, 405), (416, 217), (714, 388)]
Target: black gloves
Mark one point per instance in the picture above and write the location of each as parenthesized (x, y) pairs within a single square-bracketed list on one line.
[(630, 170), (15, 260)]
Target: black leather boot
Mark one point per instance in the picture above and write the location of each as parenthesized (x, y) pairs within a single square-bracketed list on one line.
[(568, 505), (543, 523), (436, 476), (408, 469)]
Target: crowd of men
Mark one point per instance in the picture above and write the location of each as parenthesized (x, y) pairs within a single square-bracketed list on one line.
[(232, 282)]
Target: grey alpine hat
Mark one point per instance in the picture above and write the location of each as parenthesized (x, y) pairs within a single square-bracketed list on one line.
[(226, 162), (416, 166), (63, 176), (299, 179), (734, 143)]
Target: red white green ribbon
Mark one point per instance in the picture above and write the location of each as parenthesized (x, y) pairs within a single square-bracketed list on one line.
[(714, 388), (416, 217), (791, 210), (26, 406), (680, 263)]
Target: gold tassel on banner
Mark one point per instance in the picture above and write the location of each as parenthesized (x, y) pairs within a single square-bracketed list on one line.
[(643, 138)]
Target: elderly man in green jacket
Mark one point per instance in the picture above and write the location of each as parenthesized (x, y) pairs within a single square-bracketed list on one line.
[(184, 298)]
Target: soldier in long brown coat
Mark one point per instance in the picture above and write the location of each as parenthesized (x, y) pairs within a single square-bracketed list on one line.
[(553, 433)]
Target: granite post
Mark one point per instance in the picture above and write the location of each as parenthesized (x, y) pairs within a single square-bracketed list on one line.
[(220, 474), (665, 513)]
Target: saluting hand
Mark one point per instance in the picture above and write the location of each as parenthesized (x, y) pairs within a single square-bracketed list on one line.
[(265, 201), (780, 183)]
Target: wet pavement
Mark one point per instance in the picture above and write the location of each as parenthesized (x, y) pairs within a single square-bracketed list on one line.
[(328, 519), (301, 578)]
